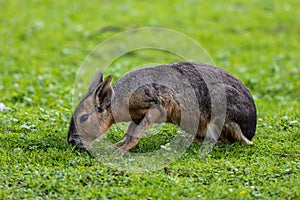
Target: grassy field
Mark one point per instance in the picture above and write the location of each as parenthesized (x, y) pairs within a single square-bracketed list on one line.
[(43, 44)]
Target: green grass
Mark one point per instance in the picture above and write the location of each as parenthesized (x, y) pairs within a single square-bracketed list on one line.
[(43, 43)]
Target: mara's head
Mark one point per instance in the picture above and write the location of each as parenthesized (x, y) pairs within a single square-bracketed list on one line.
[(92, 117)]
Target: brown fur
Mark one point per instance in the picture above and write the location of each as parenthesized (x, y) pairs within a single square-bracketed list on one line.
[(139, 98)]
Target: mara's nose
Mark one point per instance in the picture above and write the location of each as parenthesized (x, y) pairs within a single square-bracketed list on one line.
[(75, 141)]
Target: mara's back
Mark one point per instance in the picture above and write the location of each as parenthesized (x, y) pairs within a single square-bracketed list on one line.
[(240, 107)]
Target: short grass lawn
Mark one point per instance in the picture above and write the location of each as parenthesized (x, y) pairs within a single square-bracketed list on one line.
[(43, 44)]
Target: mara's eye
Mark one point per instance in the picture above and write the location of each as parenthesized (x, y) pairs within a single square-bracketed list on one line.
[(83, 118)]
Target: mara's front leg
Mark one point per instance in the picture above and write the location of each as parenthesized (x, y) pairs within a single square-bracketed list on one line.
[(136, 131)]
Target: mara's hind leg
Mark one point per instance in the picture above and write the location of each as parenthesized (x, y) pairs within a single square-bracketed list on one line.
[(233, 133), (209, 131)]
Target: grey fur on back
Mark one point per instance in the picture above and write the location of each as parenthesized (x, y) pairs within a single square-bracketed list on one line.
[(240, 105)]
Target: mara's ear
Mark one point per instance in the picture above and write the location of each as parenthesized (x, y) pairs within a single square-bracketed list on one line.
[(103, 94), (98, 78)]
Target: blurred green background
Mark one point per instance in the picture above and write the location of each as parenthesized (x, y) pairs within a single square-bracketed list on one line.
[(43, 44)]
